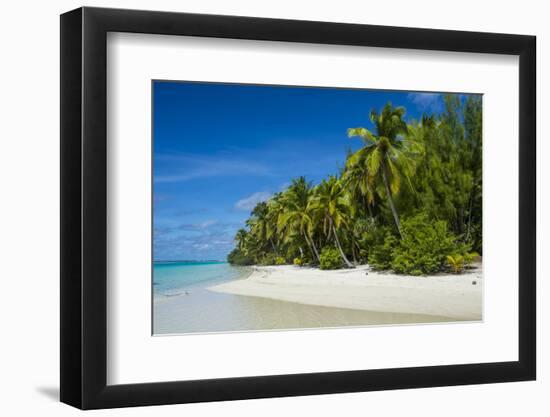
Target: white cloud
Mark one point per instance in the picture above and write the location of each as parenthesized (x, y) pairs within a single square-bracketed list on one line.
[(426, 101), (198, 226), (248, 203), (284, 186), (186, 167), (201, 246), (207, 223)]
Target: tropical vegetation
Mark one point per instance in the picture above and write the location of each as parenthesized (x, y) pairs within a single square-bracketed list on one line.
[(408, 200)]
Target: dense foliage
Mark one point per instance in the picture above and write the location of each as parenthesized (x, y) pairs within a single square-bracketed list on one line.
[(238, 257), (330, 259), (408, 200), (425, 246)]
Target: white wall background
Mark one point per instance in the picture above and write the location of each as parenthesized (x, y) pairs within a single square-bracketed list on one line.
[(29, 175)]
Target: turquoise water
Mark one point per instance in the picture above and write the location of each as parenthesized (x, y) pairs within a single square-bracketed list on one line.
[(174, 277), (183, 304)]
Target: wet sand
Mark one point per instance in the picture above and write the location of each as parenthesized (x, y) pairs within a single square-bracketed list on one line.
[(203, 311), (288, 297), (458, 297)]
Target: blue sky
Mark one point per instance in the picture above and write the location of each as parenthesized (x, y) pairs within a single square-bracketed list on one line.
[(221, 148)]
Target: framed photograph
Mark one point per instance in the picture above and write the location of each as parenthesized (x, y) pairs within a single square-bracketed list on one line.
[(258, 208)]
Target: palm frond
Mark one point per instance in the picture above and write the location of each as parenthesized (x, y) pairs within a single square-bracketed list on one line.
[(395, 178), (365, 134), (373, 162)]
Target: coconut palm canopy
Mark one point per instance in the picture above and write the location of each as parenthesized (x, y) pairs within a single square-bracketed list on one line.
[(295, 175)]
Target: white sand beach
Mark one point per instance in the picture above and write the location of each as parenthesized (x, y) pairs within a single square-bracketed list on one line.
[(457, 297)]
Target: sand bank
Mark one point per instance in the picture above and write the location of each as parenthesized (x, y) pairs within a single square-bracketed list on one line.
[(453, 296)]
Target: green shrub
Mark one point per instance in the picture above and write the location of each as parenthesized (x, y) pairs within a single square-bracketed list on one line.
[(236, 257), (330, 258), (381, 253), (298, 261), (372, 236), (470, 258), (456, 263), (425, 246), (268, 259), (271, 259)]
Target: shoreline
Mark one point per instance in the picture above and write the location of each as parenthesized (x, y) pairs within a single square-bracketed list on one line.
[(444, 295)]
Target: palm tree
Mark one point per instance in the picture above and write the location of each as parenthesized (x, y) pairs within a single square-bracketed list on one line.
[(384, 156), (260, 224), (298, 215), (275, 209), (356, 180), (333, 204), (240, 238)]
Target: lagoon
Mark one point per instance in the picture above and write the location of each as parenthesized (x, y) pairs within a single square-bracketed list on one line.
[(184, 303)]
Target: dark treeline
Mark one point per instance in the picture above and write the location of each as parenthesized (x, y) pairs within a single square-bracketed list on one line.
[(408, 200)]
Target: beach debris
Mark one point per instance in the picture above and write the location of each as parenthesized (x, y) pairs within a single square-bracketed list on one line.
[(176, 294), (474, 282)]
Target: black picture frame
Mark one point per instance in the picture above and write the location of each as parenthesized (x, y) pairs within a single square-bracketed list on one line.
[(84, 207)]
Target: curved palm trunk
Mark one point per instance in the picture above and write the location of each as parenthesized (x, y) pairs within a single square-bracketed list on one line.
[(354, 257), (342, 254), (273, 246), (367, 205), (312, 246), (327, 234), (390, 200)]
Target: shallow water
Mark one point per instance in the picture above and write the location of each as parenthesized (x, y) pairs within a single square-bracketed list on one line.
[(171, 278), (183, 304)]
